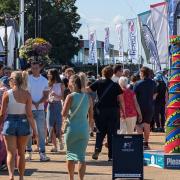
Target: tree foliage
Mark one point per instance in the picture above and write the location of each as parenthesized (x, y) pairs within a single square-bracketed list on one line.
[(59, 25)]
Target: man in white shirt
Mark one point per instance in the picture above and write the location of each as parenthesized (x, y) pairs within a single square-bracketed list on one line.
[(38, 88), (117, 73)]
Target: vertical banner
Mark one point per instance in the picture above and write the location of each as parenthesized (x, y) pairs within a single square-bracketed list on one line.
[(106, 43), (132, 40), (119, 30), (172, 6), (148, 39), (92, 48), (160, 24)]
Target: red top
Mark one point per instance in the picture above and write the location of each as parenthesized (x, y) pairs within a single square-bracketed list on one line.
[(130, 107)]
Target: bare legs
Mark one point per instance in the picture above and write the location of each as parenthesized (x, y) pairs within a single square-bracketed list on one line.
[(81, 169), (21, 146), (146, 132), (12, 143), (71, 167)]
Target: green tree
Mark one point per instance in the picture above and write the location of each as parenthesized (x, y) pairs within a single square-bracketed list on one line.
[(60, 23)]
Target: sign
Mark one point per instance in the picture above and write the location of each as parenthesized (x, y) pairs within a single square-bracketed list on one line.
[(128, 156), (159, 159), (132, 40)]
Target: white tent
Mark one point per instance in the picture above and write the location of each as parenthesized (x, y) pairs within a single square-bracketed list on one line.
[(11, 43)]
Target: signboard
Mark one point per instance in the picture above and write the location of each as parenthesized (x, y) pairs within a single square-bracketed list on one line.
[(127, 156), (159, 159)]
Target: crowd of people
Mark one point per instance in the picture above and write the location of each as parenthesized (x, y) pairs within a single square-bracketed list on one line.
[(42, 107)]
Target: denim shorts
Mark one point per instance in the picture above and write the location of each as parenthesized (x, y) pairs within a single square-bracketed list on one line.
[(16, 125)]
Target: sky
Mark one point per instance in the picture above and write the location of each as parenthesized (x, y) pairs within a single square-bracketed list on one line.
[(98, 14)]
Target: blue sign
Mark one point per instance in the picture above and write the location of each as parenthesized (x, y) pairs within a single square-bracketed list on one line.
[(127, 156), (159, 159)]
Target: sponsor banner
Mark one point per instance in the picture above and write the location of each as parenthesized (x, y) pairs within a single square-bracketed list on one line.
[(92, 48), (172, 8), (132, 40), (148, 39), (119, 30), (106, 43), (160, 33), (159, 159)]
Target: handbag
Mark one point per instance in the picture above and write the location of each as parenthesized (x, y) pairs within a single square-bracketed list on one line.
[(98, 101), (70, 116)]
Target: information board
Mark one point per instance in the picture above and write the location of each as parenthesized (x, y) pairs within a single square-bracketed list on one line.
[(127, 156)]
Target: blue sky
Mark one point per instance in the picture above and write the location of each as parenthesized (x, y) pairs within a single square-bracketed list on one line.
[(98, 14)]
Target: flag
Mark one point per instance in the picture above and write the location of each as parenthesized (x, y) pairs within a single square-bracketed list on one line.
[(172, 9), (119, 30), (132, 40), (160, 32), (92, 48), (143, 22), (106, 43)]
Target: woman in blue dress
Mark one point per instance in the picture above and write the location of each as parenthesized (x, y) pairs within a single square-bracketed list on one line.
[(77, 107)]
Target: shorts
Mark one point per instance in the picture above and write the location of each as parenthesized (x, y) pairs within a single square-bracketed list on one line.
[(16, 125), (147, 116)]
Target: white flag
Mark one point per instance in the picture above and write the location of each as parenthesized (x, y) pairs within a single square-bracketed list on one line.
[(119, 30), (160, 25), (106, 43), (92, 48), (132, 40)]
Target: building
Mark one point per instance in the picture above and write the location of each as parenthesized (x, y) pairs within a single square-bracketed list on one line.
[(83, 55)]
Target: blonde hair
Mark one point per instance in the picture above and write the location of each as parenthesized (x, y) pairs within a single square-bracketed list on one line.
[(21, 78), (83, 79), (123, 82)]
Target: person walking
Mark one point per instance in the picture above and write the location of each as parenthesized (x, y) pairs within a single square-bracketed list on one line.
[(145, 91), (106, 110), (17, 103), (38, 88), (76, 108), (54, 108), (132, 109)]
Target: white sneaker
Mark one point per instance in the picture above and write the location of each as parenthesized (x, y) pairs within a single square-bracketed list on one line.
[(43, 157), (28, 156)]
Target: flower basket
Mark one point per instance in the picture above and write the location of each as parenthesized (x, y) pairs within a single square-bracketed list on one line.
[(35, 49)]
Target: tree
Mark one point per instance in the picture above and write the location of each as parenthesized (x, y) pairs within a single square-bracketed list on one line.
[(59, 25)]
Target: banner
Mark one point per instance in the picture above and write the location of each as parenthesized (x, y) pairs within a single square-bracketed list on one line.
[(106, 43), (132, 40), (160, 24), (147, 38), (143, 22), (119, 30), (172, 9), (92, 48)]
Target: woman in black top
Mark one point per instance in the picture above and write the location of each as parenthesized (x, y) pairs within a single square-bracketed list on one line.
[(107, 118)]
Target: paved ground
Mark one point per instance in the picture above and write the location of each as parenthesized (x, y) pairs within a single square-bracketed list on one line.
[(96, 170)]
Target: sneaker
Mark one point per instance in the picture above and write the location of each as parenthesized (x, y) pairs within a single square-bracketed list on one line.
[(95, 155), (146, 146), (28, 156), (43, 157), (91, 134)]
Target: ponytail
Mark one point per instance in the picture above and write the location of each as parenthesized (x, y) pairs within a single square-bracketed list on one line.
[(24, 80), (21, 79)]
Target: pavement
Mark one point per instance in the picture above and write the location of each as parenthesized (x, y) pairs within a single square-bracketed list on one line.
[(96, 170)]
